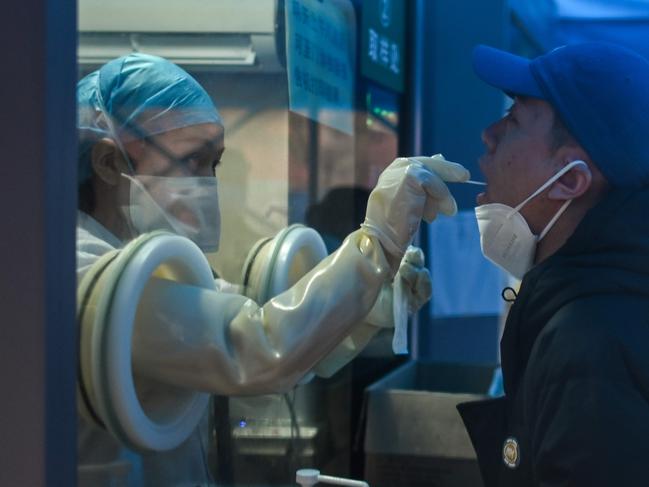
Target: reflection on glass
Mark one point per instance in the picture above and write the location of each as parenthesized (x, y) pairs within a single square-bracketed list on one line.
[(269, 107)]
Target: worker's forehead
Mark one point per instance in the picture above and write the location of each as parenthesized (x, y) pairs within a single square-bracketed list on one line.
[(194, 135), (204, 131)]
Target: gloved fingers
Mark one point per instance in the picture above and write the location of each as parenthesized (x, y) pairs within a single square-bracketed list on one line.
[(414, 256), (432, 208), (424, 286), (446, 170), (439, 198), (409, 273), (433, 172), (418, 286), (421, 291), (395, 167), (416, 279)]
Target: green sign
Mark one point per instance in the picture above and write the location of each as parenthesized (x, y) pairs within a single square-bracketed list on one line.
[(383, 42)]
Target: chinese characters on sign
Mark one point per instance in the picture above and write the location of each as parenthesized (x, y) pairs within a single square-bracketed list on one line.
[(383, 42), (383, 51), (320, 61)]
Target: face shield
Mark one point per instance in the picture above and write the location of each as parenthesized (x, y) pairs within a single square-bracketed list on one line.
[(138, 97)]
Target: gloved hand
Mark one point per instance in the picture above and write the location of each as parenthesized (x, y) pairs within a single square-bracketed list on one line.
[(417, 286), (408, 190), (416, 279)]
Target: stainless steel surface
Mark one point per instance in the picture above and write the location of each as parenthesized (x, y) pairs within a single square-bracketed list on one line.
[(417, 423), (414, 435)]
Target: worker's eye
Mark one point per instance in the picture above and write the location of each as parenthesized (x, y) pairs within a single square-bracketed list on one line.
[(192, 159)]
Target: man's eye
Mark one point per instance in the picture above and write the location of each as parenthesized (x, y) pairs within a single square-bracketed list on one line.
[(192, 158)]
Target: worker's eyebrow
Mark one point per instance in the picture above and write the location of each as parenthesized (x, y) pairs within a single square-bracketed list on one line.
[(212, 145)]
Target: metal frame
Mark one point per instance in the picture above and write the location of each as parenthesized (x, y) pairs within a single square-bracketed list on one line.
[(413, 135), (38, 173)]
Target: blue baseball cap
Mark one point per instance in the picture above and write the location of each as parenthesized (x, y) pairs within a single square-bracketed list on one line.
[(600, 92)]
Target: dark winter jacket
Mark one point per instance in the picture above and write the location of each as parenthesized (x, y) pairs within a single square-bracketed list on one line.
[(575, 360)]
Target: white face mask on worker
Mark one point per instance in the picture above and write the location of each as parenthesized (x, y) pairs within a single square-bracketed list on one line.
[(506, 238), (195, 197)]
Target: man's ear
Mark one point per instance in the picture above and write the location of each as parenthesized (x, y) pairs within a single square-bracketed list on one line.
[(107, 161), (576, 181)]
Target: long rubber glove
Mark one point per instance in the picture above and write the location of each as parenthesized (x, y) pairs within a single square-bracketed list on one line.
[(226, 344)]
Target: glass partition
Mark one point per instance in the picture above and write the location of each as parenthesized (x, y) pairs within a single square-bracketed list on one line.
[(303, 129)]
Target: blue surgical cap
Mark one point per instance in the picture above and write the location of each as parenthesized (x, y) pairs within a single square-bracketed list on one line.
[(137, 96), (599, 90)]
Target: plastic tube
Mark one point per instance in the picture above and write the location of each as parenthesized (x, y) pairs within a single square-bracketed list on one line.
[(308, 477)]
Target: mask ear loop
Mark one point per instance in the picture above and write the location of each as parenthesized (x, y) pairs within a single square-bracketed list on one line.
[(554, 219), (564, 207), (546, 185)]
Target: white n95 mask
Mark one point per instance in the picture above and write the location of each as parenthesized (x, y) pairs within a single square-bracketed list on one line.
[(506, 238), (186, 206)]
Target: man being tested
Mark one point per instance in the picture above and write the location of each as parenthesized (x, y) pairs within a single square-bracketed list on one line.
[(565, 209)]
